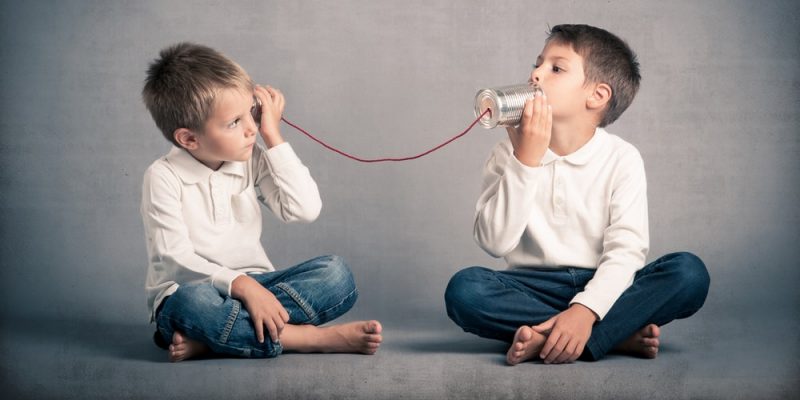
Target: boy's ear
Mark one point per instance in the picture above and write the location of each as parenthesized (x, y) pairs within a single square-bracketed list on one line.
[(186, 138), (599, 97)]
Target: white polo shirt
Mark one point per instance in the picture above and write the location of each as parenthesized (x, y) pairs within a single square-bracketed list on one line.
[(205, 225), (587, 209)]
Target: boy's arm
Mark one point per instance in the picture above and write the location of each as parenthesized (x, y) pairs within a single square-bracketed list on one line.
[(509, 185), (176, 260), (626, 240), (625, 246), (285, 184)]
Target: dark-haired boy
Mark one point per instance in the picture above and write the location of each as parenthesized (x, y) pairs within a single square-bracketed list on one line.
[(565, 203)]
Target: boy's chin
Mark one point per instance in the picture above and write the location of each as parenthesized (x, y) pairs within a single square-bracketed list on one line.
[(247, 155)]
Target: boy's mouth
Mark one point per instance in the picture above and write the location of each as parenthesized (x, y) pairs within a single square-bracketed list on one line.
[(537, 90)]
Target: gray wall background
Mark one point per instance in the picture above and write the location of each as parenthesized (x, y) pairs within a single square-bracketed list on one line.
[(716, 121)]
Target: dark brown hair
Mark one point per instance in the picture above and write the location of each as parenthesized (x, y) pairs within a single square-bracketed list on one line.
[(606, 59)]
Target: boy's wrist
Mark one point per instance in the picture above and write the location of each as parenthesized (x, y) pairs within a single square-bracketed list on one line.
[(527, 161), (272, 138), (588, 312), (241, 287)]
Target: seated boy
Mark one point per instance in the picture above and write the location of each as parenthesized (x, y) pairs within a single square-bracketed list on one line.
[(565, 203), (210, 286)]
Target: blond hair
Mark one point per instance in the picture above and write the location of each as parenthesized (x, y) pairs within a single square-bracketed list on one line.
[(182, 83)]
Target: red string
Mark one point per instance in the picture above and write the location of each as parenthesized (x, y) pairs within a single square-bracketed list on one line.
[(374, 160)]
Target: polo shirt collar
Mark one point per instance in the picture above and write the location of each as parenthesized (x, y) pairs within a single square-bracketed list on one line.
[(584, 154), (192, 171)]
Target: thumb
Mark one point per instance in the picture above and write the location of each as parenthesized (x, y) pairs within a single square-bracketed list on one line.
[(545, 327)]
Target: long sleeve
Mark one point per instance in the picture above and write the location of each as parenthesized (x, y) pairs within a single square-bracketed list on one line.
[(503, 208), (625, 241), (285, 184)]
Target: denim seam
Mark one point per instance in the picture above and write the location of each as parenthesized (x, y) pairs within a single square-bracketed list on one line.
[(522, 290), (308, 310), (346, 298), (223, 338)]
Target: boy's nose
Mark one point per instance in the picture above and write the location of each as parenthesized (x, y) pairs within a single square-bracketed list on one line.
[(534, 78), (250, 128)]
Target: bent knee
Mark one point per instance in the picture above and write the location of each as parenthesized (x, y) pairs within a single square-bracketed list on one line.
[(337, 274), (691, 273), (465, 289), (693, 269)]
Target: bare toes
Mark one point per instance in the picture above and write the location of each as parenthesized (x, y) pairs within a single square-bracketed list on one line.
[(373, 327), (373, 338), (650, 342), (651, 331), (178, 338)]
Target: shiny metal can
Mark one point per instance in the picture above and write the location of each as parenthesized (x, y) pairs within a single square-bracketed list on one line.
[(505, 104)]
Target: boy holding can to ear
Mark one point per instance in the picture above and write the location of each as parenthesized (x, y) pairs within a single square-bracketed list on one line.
[(210, 286), (565, 203)]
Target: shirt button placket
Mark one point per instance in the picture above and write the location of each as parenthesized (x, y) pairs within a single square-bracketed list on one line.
[(217, 196), (559, 195)]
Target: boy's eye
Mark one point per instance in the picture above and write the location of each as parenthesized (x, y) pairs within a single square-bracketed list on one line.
[(535, 66), (557, 69), (235, 123)]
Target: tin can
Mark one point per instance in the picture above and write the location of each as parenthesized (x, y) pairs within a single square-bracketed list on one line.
[(505, 104)]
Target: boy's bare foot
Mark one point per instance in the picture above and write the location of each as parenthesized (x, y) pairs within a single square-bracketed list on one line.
[(353, 337), (527, 345), (644, 343), (183, 348)]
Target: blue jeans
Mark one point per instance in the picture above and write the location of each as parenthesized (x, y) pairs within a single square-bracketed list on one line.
[(314, 292), (494, 304)]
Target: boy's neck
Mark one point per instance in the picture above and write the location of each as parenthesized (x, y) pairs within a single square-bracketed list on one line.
[(568, 138), (213, 164)]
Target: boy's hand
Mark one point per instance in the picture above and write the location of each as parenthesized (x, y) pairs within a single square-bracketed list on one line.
[(532, 137), (568, 333), (272, 103), (265, 310)]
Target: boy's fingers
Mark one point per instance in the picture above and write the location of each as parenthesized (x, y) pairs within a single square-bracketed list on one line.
[(284, 315), (527, 112), (576, 353), (273, 330), (282, 102), (264, 95), (567, 353), (548, 345), (259, 326), (545, 327), (537, 108), (274, 93), (558, 349)]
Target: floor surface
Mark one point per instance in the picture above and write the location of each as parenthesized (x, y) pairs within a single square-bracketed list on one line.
[(700, 358)]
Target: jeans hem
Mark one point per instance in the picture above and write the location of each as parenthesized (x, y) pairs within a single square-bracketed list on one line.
[(223, 338), (307, 309)]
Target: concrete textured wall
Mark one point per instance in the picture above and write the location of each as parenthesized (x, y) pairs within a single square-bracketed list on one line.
[(716, 121)]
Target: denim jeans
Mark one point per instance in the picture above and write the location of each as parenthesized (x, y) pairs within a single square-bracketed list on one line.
[(494, 304), (314, 292)]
